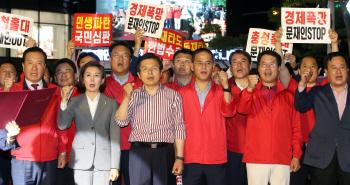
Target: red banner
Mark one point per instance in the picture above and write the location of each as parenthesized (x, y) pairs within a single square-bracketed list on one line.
[(92, 29), (166, 46), (194, 44)]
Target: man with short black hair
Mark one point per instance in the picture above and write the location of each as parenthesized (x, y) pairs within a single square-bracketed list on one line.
[(182, 60), (65, 75), (328, 145), (206, 105), (40, 144), (270, 142), (156, 116), (8, 75)]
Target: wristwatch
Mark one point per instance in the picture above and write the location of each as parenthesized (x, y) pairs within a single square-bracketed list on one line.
[(181, 158), (227, 90), (64, 153)]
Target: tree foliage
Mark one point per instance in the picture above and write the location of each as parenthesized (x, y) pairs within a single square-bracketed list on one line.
[(214, 2), (228, 42)]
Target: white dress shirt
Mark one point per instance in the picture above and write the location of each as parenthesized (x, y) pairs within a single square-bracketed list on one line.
[(92, 104), (40, 83)]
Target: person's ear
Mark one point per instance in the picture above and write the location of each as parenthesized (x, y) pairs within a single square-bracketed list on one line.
[(76, 77)]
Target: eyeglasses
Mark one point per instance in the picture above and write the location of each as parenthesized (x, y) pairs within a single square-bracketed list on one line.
[(11, 73), (121, 55), (148, 69), (205, 64), (271, 65)]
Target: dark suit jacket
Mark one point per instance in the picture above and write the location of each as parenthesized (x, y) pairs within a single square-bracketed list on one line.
[(330, 132), (3, 143)]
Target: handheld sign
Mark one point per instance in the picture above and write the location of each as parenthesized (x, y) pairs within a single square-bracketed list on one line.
[(166, 46), (194, 44), (92, 29), (305, 25), (147, 16), (13, 29), (24, 107), (260, 40)]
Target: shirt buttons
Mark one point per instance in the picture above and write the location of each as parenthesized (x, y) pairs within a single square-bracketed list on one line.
[(92, 128), (93, 143)]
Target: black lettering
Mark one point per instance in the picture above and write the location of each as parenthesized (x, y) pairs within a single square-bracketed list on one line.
[(310, 34), (7, 40), (146, 25), (136, 23), (318, 33), (253, 51), (295, 35), (131, 20), (303, 32), (14, 41), (19, 41), (323, 32), (141, 23), (1, 37), (313, 33)]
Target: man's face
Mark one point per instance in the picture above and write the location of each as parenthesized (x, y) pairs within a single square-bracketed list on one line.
[(34, 66), (239, 66), (65, 76), (47, 75), (268, 69), (309, 64), (7, 71), (203, 66), (337, 71), (85, 60), (150, 72), (120, 59), (182, 65)]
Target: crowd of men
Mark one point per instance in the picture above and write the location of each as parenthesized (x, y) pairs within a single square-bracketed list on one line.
[(273, 127)]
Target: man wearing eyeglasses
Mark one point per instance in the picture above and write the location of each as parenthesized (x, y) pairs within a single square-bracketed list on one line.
[(121, 55), (8, 76), (155, 114), (273, 134), (206, 105), (65, 75)]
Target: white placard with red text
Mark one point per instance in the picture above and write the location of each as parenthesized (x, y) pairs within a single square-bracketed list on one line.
[(306, 25), (13, 29), (147, 16), (260, 40)]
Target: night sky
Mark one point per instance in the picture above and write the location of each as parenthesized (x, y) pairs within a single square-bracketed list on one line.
[(239, 24)]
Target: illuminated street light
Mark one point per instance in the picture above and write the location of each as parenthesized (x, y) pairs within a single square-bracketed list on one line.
[(275, 12)]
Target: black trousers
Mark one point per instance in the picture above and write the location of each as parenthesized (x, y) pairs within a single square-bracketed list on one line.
[(33, 173), (124, 169), (65, 176), (332, 174), (5, 169), (151, 166), (236, 172), (201, 174), (301, 176)]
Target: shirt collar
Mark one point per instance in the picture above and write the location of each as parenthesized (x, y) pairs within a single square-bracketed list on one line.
[(345, 88), (126, 78), (95, 99), (239, 85), (29, 84), (181, 85), (274, 88), (206, 88), (160, 88)]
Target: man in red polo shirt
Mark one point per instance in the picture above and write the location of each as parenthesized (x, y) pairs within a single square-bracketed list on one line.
[(36, 160)]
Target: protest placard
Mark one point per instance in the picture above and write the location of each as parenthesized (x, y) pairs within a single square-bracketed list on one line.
[(194, 44), (92, 29), (147, 16), (208, 36), (260, 40), (13, 29), (305, 25), (166, 46)]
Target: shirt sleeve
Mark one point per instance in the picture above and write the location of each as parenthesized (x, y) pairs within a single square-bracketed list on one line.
[(227, 109), (245, 102), (296, 135), (124, 123), (180, 126), (3, 142), (64, 105)]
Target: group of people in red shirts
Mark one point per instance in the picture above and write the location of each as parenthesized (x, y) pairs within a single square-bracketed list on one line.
[(130, 128)]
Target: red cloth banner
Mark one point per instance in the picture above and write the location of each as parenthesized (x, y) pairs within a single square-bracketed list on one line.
[(194, 44), (166, 46), (92, 29)]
